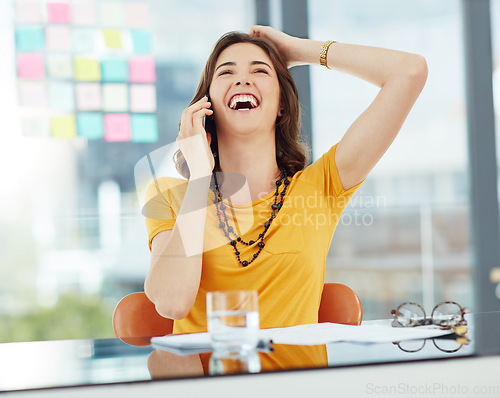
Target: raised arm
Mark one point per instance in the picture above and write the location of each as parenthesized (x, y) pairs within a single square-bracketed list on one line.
[(401, 77), (176, 256)]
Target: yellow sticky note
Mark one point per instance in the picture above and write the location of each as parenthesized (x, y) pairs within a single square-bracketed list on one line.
[(63, 126), (87, 69), (112, 38)]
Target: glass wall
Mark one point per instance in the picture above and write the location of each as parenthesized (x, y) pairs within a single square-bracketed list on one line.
[(72, 238), (404, 235), (495, 42)]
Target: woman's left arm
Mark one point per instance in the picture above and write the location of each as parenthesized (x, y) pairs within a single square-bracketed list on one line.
[(401, 77)]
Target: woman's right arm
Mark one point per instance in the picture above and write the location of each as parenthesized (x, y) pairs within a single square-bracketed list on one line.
[(176, 256)]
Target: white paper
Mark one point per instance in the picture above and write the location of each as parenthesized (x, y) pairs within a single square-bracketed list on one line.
[(313, 334), (323, 333)]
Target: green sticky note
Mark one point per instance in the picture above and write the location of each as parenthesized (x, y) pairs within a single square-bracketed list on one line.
[(63, 126), (144, 128), (114, 70), (141, 41), (90, 125), (112, 38), (30, 39), (87, 69)]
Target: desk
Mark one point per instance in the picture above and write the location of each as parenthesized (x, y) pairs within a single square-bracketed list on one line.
[(108, 367)]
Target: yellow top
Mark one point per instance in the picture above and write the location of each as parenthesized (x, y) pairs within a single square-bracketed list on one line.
[(289, 272)]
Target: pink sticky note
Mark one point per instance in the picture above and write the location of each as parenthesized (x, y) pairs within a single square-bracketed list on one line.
[(30, 66), (28, 12), (137, 15), (88, 96), (117, 127), (142, 98), (142, 70), (58, 38), (59, 12), (84, 13)]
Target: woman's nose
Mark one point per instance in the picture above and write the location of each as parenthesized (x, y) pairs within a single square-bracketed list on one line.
[(243, 80)]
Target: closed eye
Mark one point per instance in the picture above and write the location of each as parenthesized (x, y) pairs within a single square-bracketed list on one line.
[(225, 72), (262, 71)]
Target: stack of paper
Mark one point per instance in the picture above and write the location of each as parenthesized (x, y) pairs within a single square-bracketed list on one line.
[(314, 334)]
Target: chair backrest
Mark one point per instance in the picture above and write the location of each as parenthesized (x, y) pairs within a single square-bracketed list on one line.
[(340, 304), (135, 316)]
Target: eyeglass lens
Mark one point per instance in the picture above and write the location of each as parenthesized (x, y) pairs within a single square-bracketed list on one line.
[(410, 314), (447, 313)]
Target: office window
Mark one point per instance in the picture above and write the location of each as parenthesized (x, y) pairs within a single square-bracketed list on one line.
[(404, 235), (72, 237)]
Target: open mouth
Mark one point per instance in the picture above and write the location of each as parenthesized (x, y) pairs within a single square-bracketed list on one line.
[(243, 102)]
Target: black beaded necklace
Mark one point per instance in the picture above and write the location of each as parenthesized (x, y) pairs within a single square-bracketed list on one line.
[(229, 230)]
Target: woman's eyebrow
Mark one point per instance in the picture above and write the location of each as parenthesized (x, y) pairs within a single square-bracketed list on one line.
[(260, 63), (226, 64)]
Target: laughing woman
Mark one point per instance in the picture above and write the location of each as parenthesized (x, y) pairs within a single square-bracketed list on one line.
[(244, 121)]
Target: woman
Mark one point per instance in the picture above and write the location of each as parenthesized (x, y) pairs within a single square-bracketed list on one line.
[(249, 104)]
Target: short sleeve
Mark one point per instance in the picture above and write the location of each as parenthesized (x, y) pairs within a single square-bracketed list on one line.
[(324, 175), (161, 205)]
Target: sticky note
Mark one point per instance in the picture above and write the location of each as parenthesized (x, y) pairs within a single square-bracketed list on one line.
[(88, 96), (58, 38), (28, 12), (142, 70), (83, 40), (30, 66), (29, 39), (59, 12), (59, 66), (63, 126), (142, 98), (61, 96), (84, 13), (111, 14), (112, 38), (117, 127), (115, 97), (87, 69), (90, 125), (34, 124), (144, 128), (141, 41), (114, 70), (137, 15), (32, 93)]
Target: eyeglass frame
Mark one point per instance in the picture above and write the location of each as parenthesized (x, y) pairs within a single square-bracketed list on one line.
[(462, 340), (429, 320)]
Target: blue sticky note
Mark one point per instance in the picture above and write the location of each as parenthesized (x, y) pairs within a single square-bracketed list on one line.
[(90, 125), (141, 41), (144, 128), (30, 39), (114, 70), (61, 96)]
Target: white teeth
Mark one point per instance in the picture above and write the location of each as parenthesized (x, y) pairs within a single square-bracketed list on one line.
[(243, 98)]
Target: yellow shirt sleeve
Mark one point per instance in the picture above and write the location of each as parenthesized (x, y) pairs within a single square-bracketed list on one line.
[(163, 200)]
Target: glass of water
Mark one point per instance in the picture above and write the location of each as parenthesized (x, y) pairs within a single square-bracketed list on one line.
[(233, 320)]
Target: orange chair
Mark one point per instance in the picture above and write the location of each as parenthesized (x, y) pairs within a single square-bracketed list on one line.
[(135, 318), (340, 304)]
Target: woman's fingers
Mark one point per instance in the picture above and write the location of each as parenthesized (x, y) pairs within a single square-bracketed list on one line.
[(188, 114)]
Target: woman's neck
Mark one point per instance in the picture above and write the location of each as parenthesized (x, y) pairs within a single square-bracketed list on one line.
[(255, 159)]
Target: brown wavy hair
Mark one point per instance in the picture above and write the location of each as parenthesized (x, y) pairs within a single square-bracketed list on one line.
[(291, 153)]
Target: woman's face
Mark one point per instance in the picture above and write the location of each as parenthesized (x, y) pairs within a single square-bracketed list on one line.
[(244, 92)]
